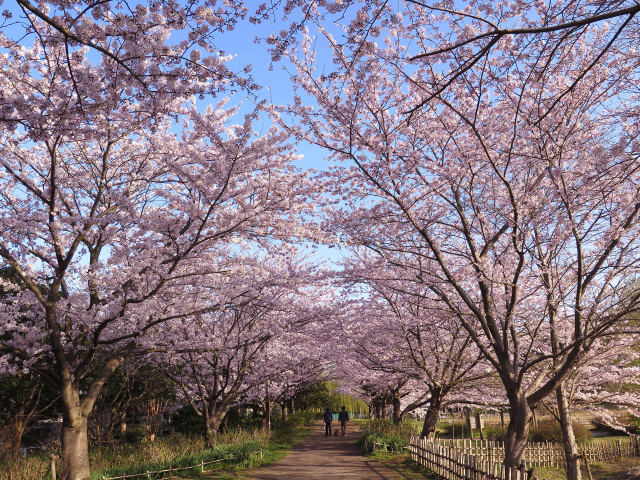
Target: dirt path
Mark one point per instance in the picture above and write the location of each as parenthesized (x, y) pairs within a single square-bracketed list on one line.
[(322, 458)]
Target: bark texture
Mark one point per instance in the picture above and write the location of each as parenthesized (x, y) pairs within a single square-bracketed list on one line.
[(518, 429), (75, 447), (433, 413), (568, 437)]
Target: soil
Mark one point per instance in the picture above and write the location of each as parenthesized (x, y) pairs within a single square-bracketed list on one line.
[(320, 457)]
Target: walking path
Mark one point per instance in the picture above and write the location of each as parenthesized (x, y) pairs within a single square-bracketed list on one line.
[(322, 458)]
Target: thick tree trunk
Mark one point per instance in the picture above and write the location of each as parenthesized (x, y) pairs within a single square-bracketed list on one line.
[(369, 411), (266, 421), (518, 429), (568, 438), (285, 411), (75, 440), (292, 407), (383, 409), (19, 425), (397, 411), (213, 419), (377, 410), (433, 413), (75, 446)]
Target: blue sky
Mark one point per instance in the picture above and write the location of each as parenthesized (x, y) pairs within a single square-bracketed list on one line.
[(274, 78)]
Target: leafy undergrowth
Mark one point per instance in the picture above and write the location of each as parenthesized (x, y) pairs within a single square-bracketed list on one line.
[(384, 435)]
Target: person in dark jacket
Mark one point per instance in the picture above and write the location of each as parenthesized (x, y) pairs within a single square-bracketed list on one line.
[(343, 416), (328, 416)]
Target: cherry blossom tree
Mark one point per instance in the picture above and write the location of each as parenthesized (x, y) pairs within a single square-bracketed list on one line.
[(455, 41), (157, 48), (525, 219), (223, 357), (116, 208), (606, 376), (291, 364), (416, 338)]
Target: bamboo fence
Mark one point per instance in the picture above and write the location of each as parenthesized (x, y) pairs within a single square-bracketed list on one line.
[(453, 464), (482, 459), (548, 454)]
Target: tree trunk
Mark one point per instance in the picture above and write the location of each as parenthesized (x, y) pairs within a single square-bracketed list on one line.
[(283, 407), (383, 409), (75, 445), (568, 438), (266, 421), (433, 413), (213, 419), (397, 412), (377, 414), (518, 429), (292, 406), (19, 425)]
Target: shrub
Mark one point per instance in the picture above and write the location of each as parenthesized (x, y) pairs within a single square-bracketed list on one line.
[(135, 434), (284, 432), (386, 435), (186, 420), (495, 433), (549, 431)]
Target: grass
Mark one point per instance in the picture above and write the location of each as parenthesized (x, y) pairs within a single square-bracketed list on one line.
[(615, 469), (403, 466), (179, 450)]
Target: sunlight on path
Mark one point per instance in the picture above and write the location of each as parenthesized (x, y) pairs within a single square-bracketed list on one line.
[(320, 457)]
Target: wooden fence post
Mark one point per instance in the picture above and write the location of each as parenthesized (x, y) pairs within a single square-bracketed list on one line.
[(53, 466), (619, 448), (586, 464)]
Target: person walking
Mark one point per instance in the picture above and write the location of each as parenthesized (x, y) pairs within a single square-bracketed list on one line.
[(328, 416), (343, 416)]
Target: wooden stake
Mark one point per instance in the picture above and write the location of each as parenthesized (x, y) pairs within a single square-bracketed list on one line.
[(586, 464), (53, 466)]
